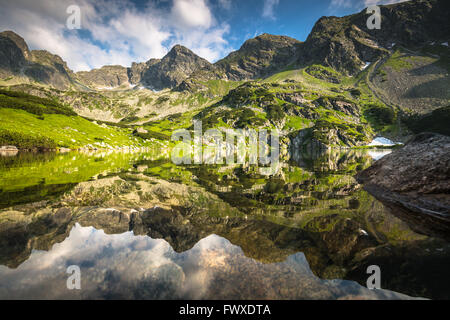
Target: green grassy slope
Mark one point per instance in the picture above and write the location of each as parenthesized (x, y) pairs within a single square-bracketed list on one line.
[(338, 110), (30, 122)]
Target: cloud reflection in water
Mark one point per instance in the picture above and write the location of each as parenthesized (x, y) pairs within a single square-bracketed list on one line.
[(126, 266)]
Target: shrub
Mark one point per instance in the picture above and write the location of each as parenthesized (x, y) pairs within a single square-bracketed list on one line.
[(152, 135), (129, 119), (32, 104), (275, 112), (23, 141), (381, 114), (161, 100), (355, 92)]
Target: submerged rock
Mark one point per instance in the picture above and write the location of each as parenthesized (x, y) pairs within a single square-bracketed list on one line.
[(8, 148), (415, 179)]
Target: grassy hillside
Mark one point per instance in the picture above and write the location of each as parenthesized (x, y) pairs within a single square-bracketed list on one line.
[(335, 109), (31, 122), (32, 104)]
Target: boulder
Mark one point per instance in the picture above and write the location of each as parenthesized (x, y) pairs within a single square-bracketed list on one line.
[(415, 179), (8, 148)]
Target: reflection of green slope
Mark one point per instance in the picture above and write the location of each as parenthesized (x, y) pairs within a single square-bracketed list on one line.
[(334, 161), (33, 193), (71, 132), (166, 170), (324, 214), (295, 192), (32, 177), (61, 169)]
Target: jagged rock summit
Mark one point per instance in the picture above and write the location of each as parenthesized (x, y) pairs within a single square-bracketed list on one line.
[(345, 44)]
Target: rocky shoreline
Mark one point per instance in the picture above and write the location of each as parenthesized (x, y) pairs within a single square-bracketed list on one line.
[(415, 181)]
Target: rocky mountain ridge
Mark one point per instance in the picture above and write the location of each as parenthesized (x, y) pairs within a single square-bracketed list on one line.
[(344, 44), (340, 88)]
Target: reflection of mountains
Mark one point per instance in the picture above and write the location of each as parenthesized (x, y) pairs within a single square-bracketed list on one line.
[(342, 251), (315, 207), (330, 160), (315, 181), (32, 176)]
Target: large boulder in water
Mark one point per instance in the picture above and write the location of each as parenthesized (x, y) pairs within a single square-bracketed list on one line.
[(415, 180)]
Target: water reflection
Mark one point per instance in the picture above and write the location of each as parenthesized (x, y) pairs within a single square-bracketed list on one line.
[(212, 269), (225, 231)]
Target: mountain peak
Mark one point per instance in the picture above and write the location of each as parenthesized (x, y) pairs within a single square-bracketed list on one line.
[(267, 39), (259, 57), (274, 37), (345, 43), (44, 56), (179, 50), (174, 68), (18, 40)]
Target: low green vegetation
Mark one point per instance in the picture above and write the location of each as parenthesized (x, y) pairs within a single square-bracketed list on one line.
[(297, 123), (324, 73), (169, 124), (239, 118), (219, 87), (32, 104), (30, 122), (399, 61), (152, 135), (68, 132), (275, 112), (24, 141), (380, 114)]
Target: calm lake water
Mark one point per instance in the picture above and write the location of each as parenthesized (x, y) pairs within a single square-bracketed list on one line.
[(140, 227)]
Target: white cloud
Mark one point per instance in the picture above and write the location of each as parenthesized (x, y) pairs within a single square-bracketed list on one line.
[(115, 31), (191, 13), (380, 2), (360, 4), (130, 267), (269, 8), (341, 3), (207, 45)]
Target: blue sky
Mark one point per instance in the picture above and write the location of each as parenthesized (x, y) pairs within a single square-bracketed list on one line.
[(126, 31)]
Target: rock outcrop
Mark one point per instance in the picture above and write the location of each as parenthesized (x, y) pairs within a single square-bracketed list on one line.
[(259, 57), (14, 53), (50, 69), (105, 77), (137, 70), (38, 65), (171, 70), (346, 43), (415, 178)]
